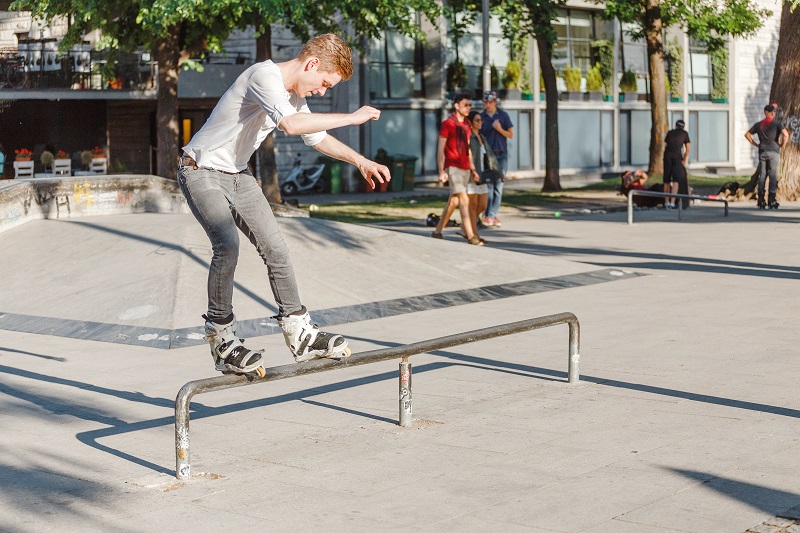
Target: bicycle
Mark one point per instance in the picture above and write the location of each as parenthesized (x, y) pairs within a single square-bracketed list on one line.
[(12, 72)]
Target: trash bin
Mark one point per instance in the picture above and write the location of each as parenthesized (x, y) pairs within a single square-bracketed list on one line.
[(332, 173), (396, 170), (408, 166)]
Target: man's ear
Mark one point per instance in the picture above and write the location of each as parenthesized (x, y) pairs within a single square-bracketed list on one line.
[(311, 63)]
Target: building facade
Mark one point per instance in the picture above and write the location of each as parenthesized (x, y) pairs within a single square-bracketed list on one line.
[(75, 100)]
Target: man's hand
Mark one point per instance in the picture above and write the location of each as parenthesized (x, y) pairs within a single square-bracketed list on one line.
[(371, 169), (475, 176), (443, 176), (364, 114), (496, 125)]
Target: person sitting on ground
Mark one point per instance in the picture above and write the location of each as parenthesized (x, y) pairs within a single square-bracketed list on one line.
[(635, 180)]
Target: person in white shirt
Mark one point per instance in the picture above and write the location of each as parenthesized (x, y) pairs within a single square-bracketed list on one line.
[(224, 196)]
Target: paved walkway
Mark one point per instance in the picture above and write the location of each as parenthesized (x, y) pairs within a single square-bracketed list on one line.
[(685, 419)]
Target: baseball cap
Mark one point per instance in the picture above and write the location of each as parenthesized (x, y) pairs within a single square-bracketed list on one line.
[(680, 123), (769, 107), (489, 96)]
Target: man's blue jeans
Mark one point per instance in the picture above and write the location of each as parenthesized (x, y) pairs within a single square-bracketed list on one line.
[(224, 204), (496, 188)]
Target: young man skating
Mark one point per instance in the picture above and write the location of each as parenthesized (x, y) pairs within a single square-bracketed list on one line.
[(225, 198)]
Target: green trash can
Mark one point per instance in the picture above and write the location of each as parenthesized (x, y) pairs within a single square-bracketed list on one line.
[(408, 164), (332, 173)]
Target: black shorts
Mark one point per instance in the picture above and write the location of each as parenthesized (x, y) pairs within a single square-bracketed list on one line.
[(674, 169)]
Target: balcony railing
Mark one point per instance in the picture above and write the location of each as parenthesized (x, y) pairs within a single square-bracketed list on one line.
[(38, 64)]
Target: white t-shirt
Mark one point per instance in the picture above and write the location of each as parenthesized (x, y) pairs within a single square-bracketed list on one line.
[(248, 111)]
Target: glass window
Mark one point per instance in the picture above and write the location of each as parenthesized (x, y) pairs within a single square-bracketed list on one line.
[(394, 67), (633, 56), (575, 32), (399, 132), (470, 51), (634, 138), (699, 71), (711, 141), (590, 127)]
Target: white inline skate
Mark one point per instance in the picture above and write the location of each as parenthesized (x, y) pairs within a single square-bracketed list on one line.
[(307, 342), (228, 351)]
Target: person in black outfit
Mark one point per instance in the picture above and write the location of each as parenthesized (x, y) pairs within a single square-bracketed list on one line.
[(771, 136), (675, 161)]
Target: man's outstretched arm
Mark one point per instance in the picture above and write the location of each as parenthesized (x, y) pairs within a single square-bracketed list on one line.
[(338, 150), (301, 123)]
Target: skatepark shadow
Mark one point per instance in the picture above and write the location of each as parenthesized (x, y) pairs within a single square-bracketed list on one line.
[(116, 426), (176, 248), (41, 488), (42, 356), (773, 501), (657, 261)]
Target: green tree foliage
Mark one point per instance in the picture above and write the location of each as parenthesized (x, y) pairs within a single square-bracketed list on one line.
[(534, 18), (176, 30), (711, 21)]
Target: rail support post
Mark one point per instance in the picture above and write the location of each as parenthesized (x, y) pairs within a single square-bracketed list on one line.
[(405, 393)]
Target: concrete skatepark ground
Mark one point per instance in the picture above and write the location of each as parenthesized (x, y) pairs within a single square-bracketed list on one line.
[(685, 418)]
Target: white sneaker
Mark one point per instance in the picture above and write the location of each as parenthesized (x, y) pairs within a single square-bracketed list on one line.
[(307, 342)]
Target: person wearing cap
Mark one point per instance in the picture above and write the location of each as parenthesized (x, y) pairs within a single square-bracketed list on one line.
[(771, 136), (675, 158), (497, 128)]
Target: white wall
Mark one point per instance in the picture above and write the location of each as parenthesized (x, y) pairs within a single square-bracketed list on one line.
[(751, 75)]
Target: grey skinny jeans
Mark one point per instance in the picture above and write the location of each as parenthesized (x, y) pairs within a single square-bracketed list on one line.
[(773, 161), (223, 203)]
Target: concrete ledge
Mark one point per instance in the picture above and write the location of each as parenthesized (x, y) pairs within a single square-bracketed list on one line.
[(80, 196)]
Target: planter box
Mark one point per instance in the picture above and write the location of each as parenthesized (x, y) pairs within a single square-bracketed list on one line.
[(527, 96), (629, 97), (594, 96), (572, 96), (607, 98), (719, 100), (23, 169), (675, 99), (509, 94)]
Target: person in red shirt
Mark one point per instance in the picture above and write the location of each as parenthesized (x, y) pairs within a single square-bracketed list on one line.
[(456, 166)]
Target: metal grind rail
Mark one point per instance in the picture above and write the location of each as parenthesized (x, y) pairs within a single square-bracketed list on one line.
[(638, 192), (188, 391)]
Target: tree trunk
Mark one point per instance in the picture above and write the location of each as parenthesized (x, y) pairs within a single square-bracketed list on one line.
[(551, 156), (166, 51), (268, 168), (658, 86), (785, 92)]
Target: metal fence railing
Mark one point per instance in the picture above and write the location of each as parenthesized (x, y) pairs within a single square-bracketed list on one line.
[(188, 391), (638, 192)]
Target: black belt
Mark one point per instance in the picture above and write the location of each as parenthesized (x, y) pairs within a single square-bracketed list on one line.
[(186, 161)]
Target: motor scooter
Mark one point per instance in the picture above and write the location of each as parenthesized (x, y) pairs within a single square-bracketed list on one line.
[(300, 180)]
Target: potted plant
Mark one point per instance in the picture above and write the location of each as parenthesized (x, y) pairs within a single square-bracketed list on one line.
[(23, 164), (98, 152), (86, 159), (604, 60), (719, 73), (456, 75), (61, 154), (511, 80), (594, 84), (47, 159), (23, 154), (572, 79), (675, 55), (628, 87)]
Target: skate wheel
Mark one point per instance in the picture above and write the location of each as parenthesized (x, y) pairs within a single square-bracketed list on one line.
[(260, 372), (347, 353)]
